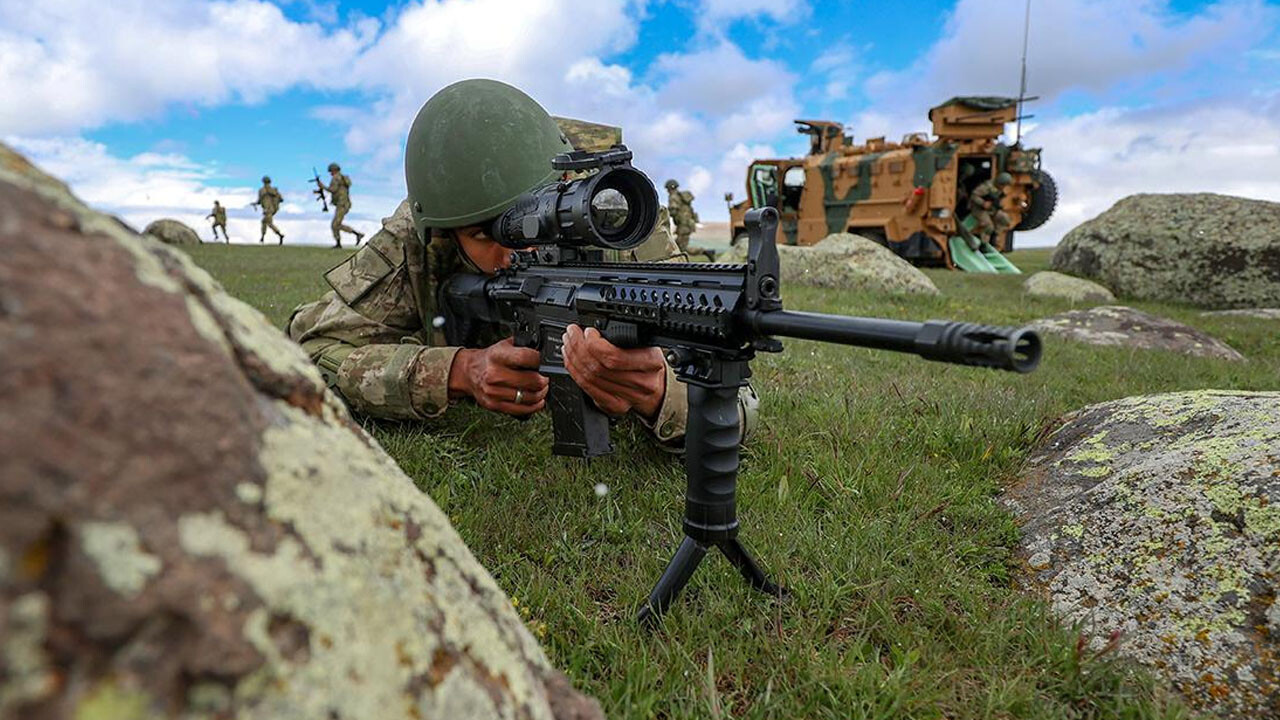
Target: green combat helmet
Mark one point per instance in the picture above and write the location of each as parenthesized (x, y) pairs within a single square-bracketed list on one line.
[(671, 185), (266, 179), (333, 167), (1003, 179), (474, 148)]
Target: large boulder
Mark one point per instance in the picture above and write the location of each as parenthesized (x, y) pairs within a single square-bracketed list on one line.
[(1122, 326), (1050, 284), (192, 526), (1204, 249), (847, 262), (1255, 313), (172, 232), (1155, 523)]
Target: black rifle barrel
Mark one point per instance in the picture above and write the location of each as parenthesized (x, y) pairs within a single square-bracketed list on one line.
[(1003, 348)]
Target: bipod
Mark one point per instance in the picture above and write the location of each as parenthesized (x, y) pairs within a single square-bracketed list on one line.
[(710, 511)]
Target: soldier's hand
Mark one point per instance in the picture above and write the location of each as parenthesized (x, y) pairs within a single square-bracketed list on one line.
[(617, 380), (502, 378)]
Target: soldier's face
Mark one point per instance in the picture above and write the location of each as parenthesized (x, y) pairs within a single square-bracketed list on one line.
[(482, 250)]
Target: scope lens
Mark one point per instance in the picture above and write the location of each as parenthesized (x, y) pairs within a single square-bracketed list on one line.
[(609, 210)]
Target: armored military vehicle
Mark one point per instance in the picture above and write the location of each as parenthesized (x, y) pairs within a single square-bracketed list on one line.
[(913, 195)]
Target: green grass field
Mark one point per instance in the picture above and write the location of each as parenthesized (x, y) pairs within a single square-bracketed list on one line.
[(869, 491)]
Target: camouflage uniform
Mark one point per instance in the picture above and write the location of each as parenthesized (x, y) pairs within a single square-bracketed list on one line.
[(219, 216), (340, 195), (378, 345), (680, 206), (988, 221), (270, 200)]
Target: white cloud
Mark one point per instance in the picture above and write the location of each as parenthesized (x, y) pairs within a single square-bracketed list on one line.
[(1096, 46), (1101, 157), (714, 15), (149, 186), (73, 64)]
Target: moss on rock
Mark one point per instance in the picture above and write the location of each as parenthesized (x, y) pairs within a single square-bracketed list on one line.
[(1176, 544)]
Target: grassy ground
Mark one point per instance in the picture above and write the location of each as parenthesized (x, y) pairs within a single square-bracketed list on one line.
[(869, 491)]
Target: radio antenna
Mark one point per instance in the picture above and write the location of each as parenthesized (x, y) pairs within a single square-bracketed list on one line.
[(1022, 85)]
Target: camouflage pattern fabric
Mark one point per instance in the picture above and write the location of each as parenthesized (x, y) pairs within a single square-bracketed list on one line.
[(989, 221), (270, 200), (339, 192), (680, 206), (377, 341), (219, 215)]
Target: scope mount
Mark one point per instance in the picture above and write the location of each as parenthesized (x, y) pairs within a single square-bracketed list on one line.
[(578, 160)]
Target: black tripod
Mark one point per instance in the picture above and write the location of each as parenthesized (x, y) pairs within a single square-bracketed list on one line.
[(710, 507)]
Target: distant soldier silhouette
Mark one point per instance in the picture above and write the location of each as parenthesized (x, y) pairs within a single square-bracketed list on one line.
[(989, 219), (219, 216), (680, 205), (269, 200), (340, 195)]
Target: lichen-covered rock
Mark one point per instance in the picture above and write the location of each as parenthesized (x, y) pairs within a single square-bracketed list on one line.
[(191, 526), (845, 261), (1255, 313), (1205, 249), (1123, 326), (1052, 284), (172, 232), (1159, 517)]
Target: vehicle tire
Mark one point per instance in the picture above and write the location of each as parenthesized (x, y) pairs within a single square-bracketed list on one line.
[(1043, 201)]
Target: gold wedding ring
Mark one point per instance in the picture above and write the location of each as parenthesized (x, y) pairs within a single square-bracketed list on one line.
[(519, 397)]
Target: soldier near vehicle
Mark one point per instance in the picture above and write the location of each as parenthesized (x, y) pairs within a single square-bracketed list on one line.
[(340, 195), (376, 337), (913, 196), (680, 205), (219, 215), (270, 200), (984, 204)]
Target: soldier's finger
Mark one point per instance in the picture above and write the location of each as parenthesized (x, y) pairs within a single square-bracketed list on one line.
[(615, 358), (508, 354), (608, 402), (510, 408)]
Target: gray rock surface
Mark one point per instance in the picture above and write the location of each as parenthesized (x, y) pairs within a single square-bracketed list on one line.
[(1052, 284), (172, 232), (1209, 250), (192, 526), (1123, 326), (845, 261), (1256, 313), (1159, 517)]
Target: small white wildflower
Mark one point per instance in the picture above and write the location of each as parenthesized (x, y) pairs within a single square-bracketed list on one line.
[(601, 489)]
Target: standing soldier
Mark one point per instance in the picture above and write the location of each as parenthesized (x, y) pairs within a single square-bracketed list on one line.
[(269, 200), (989, 219), (219, 216), (339, 193), (680, 205)]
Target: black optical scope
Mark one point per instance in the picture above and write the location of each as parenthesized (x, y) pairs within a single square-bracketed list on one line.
[(615, 207)]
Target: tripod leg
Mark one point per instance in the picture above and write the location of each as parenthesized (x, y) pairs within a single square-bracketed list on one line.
[(741, 559), (673, 580)]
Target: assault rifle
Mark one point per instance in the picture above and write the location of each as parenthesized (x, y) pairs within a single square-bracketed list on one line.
[(709, 319), (320, 189)]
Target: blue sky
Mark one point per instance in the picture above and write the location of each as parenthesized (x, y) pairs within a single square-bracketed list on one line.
[(152, 108)]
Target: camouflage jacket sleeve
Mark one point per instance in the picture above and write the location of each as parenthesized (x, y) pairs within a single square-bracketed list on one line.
[(367, 337)]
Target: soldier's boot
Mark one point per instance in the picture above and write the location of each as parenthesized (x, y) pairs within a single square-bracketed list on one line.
[(359, 237)]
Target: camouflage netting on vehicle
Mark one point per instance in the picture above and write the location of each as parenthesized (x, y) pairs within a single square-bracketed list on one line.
[(1159, 518), (1122, 326), (848, 262), (172, 232), (982, 102), (1209, 250), (191, 526), (1064, 287)]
